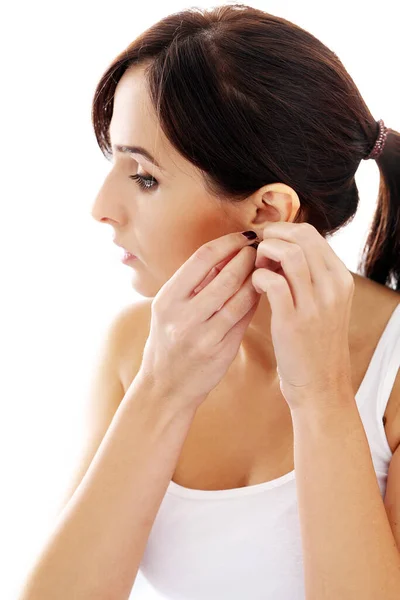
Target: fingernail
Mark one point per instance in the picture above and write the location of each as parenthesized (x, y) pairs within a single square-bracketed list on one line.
[(251, 235)]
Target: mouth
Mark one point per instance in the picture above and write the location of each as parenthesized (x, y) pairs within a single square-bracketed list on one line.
[(126, 252), (127, 257)]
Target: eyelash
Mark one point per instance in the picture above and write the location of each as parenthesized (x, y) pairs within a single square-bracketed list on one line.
[(141, 181)]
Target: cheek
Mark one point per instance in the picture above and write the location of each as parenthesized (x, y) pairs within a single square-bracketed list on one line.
[(177, 234), (165, 255)]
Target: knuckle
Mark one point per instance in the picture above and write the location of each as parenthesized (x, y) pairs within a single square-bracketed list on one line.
[(242, 302), (205, 345), (156, 305), (179, 335), (205, 252), (305, 226), (330, 299), (229, 278), (228, 314), (174, 333), (294, 252), (246, 301), (309, 316), (304, 230)]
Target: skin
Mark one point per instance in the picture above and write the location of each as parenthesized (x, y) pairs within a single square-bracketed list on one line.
[(165, 224)]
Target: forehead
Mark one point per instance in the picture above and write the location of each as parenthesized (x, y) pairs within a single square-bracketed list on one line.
[(134, 123), (133, 118)]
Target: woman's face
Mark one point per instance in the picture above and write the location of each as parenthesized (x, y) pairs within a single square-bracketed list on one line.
[(166, 223)]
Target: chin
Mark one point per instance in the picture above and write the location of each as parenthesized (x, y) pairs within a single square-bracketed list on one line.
[(146, 291)]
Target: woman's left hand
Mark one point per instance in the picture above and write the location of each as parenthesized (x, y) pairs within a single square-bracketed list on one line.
[(310, 294)]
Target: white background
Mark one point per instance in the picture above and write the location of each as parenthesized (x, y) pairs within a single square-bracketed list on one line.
[(62, 279)]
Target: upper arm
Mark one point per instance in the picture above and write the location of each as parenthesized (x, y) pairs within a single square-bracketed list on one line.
[(106, 389)]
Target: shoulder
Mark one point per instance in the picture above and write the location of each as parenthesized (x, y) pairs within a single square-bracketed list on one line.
[(135, 318), (133, 326), (370, 292), (129, 324), (375, 304)]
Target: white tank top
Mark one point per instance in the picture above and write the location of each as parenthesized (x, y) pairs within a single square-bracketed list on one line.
[(245, 542)]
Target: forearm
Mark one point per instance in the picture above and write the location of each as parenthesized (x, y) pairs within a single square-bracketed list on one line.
[(349, 548), (100, 537)]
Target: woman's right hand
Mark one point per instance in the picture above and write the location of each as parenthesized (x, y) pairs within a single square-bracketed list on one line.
[(199, 317)]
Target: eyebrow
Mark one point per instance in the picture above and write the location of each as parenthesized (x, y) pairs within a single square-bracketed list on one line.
[(137, 150)]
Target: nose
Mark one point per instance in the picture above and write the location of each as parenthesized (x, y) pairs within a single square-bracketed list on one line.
[(97, 210), (102, 208), (109, 204)]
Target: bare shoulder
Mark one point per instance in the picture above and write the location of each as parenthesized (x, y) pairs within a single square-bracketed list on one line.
[(135, 318), (375, 295), (375, 304), (135, 326)]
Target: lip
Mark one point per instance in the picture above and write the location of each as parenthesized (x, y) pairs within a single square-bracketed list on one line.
[(127, 258), (126, 251)]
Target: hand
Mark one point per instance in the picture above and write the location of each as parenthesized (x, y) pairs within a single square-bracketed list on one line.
[(198, 319), (310, 293)]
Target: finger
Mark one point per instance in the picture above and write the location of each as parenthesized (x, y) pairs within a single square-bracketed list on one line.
[(227, 283), (235, 334), (213, 273), (308, 238), (294, 267), (206, 281), (324, 265), (196, 268), (278, 292), (235, 311)]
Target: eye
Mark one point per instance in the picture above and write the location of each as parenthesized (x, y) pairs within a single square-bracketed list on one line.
[(144, 182)]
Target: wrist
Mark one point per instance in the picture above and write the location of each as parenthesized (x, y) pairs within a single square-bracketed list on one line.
[(160, 395)]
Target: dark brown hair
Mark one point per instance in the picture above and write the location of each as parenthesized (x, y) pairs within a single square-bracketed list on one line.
[(252, 99)]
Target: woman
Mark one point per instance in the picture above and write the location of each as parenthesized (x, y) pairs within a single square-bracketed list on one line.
[(250, 457)]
